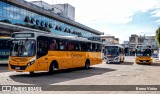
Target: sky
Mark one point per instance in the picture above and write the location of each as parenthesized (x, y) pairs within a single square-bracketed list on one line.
[(119, 18)]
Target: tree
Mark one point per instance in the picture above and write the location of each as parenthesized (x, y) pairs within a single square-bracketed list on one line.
[(157, 37)]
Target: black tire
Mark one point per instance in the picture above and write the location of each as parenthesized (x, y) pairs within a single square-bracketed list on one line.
[(107, 62), (31, 73), (51, 68), (87, 64), (122, 61)]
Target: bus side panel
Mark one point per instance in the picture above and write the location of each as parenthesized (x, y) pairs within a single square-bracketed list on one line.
[(42, 63), (61, 57), (68, 59), (78, 58), (95, 58)]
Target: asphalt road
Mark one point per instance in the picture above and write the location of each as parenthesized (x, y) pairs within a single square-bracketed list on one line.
[(127, 73)]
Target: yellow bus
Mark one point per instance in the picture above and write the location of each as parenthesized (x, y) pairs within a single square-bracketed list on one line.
[(143, 55), (31, 51)]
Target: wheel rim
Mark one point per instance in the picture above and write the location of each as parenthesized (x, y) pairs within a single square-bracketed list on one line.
[(87, 65), (52, 67)]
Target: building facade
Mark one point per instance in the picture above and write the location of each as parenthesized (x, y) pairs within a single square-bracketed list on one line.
[(135, 40), (109, 40), (65, 10), (125, 44), (150, 41), (20, 15)]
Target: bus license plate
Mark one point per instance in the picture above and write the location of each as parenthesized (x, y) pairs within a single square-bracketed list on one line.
[(17, 68), (144, 61)]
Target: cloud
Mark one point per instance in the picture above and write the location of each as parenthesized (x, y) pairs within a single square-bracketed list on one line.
[(111, 11), (120, 18)]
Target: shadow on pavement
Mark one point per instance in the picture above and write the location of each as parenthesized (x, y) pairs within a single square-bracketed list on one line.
[(4, 68), (44, 78), (124, 63), (153, 64)]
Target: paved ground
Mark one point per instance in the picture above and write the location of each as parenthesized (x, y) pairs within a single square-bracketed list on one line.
[(127, 73)]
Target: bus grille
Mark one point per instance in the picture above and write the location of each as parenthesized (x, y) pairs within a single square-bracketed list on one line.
[(144, 60), (19, 59), (20, 67)]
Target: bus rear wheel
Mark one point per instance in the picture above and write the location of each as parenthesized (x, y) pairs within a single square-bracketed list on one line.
[(52, 68), (87, 64)]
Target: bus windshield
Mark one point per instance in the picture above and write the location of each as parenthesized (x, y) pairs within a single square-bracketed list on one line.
[(111, 51), (143, 52), (25, 47)]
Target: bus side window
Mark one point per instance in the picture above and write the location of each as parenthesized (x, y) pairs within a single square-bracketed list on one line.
[(77, 46), (70, 46), (93, 47), (84, 46), (89, 46), (42, 48), (120, 51), (99, 48), (53, 45), (62, 45)]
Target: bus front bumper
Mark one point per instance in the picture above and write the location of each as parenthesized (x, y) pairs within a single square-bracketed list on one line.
[(144, 61), (21, 68)]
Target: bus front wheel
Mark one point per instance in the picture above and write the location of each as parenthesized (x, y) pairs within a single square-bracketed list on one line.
[(31, 73)]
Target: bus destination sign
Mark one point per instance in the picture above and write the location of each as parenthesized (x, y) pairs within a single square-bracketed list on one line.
[(23, 35)]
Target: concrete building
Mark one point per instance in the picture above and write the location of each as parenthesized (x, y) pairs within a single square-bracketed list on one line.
[(126, 45), (150, 41), (65, 10), (109, 40), (135, 40), (20, 15)]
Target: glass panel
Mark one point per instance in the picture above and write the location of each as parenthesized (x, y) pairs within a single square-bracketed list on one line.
[(111, 51), (23, 47)]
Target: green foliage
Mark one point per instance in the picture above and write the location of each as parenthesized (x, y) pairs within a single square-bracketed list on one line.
[(157, 37)]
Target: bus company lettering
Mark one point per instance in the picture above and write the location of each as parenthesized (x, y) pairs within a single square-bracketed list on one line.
[(76, 55)]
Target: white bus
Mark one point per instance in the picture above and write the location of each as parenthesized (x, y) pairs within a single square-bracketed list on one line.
[(113, 53)]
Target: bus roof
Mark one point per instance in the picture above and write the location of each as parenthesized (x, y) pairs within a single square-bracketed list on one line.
[(115, 45), (61, 37)]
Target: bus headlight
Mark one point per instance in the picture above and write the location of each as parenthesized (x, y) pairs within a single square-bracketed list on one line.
[(137, 58), (30, 63)]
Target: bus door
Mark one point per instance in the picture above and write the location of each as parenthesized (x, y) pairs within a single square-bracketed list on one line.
[(42, 58), (76, 56), (63, 56)]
